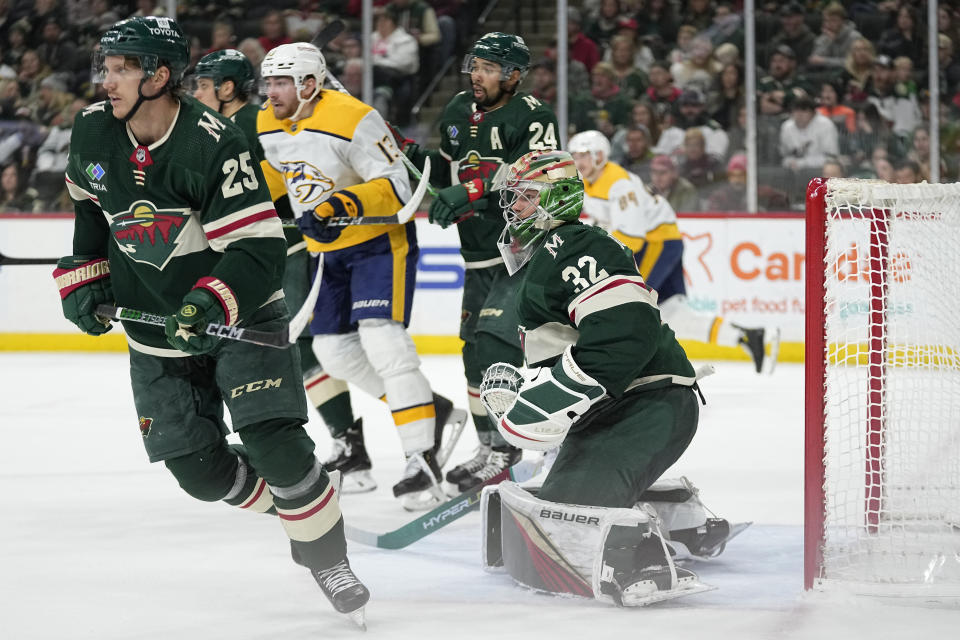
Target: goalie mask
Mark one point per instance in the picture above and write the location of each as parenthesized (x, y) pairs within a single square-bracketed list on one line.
[(539, 192), (298, 60), (596, 149)]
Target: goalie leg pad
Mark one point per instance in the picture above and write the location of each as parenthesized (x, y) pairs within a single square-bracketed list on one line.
[(612, 554)]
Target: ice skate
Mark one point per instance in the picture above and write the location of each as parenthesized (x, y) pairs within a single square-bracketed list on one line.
[(756, 342), (468, 467), (449, 425), (499, 459), (419, 489), (344, 591), (641, 573), (349, 457)]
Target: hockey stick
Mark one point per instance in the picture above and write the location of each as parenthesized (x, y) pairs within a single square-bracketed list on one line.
[(278, 339), (400, 217), (328, 33), (439, 517), (302, 317), (7, 261)]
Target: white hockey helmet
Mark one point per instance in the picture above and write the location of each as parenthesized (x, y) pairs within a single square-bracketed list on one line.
[(594, 143), (298, 60)]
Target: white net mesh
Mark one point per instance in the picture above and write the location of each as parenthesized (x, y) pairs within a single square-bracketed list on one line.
[(892, 384)]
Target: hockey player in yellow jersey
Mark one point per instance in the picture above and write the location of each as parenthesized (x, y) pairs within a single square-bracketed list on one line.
[(618, 201), (333, 156)]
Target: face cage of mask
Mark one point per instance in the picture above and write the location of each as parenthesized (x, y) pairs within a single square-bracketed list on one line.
[(517, 192)]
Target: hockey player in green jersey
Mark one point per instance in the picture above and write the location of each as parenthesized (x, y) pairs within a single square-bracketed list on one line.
[(481, 130), (223, 80), (589, 320), (607, 382), (173, 216)]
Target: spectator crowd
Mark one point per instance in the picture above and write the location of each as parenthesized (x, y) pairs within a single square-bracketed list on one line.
[(841, 86)]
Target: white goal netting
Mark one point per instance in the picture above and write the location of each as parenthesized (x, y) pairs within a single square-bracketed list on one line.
[(891, 464)]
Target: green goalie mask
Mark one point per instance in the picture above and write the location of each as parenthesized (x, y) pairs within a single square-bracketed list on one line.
[(228, 64), (509, 51), (155, 41), (539, 192)]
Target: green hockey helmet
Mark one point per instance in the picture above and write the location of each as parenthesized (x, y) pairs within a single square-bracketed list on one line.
[(154, 41), (508, 50), (228, 64), (539, 192)]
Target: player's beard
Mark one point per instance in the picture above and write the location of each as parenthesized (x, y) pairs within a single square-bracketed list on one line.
[(489, 100)]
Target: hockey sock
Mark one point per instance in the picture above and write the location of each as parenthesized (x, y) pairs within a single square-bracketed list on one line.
[(249, 490), (311, 517), (331, 397)]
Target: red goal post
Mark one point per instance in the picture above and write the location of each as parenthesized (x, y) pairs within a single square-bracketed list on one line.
[(882, 378)]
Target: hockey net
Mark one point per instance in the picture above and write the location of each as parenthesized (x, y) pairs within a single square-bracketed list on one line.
[(883, 388)]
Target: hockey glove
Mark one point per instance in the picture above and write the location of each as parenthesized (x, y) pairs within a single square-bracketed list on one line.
[(187, 329), (457, 203), (548, 404), (314, 224), (84, 282)]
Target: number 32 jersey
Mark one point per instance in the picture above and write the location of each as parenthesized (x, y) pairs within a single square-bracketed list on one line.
[(191, 205), (582, 288)]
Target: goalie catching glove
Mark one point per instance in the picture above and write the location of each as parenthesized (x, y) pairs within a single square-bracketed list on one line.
[(548, 403), (84, 283)]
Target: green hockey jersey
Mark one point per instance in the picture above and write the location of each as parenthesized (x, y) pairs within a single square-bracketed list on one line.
[(477, 143), (582, 288), (246, 119), (192, 205)]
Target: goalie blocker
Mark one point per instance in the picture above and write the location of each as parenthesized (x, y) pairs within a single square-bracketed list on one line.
[(611, 554)]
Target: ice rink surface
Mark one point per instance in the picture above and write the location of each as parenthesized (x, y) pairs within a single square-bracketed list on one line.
[(95, 543)]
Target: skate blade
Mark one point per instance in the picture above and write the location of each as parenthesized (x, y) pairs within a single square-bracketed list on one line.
[(358, 482), (452, 431), (644, 593), (422, 500), (358, 617), (772, 349)]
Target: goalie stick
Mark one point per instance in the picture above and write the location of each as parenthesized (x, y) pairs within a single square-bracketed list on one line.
[(439, 517), (278, 339)]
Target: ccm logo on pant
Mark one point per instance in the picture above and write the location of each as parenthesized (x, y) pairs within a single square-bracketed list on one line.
[(255, 386)]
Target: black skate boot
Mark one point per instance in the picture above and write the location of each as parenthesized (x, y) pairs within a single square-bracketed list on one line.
[(419, 490), (344, 591), (499, 460), (469, 467), (752, 342), (349, 457)]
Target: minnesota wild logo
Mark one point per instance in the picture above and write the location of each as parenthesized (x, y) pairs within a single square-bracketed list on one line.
[(148, 234), (476, 166)]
